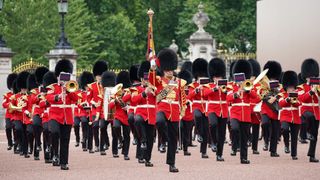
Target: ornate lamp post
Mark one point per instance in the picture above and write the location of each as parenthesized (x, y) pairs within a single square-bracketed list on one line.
[(2, 42), (63, 10)]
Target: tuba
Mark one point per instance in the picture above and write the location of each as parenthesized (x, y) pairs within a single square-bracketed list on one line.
[(72, 86)]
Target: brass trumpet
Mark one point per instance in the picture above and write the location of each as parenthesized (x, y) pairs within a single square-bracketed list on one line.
[(294, 100), (72, 86), (223, 88), (247, 85)]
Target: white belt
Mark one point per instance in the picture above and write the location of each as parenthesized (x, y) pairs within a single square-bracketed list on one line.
[(170, 102), (199, 102), (146, 106), (217, 102), (240, 104), (310, 104), (62, 105), (289, 108)]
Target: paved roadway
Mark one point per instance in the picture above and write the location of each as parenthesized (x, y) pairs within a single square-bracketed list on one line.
[(93, 166)]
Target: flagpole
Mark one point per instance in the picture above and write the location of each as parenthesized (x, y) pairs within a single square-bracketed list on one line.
[(150, 55)]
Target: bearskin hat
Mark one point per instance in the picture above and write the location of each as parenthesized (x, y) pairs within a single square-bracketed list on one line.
[(274, 70), (309, 68), (187, 65), (231, 69), (49, 78), (300, 79), (11, 77), (22, 80), (99, 67), (168, 59), (39, 73), (133, 71), (144, 68), (186, 75), (256, 69), (108, 79), (199, 68), (85, 79), (289, 78), (243, 66), (217, 68), (124, 78), (31, 82), (64, 65), (15, 89)]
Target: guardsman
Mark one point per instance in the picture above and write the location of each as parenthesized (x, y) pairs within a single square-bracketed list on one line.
[(145, 115), (186, 122), (303, 127), (8, 116), (135, 81), (171, 100), (289, 112), (61, 99), (199, 103), (269, 108), (84, 111), (240, 113), (309, 93), (217, 107), (94, 97)]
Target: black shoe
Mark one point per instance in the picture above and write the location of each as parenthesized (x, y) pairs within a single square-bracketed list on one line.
[(249, 144), (126, 158), (47, 161), (233, 153), (21, 153), (36, 158), (148, 164), (199, 139), (214, 147), (115, 155), (103, 153), (294, 158), (141, 161), (26, 156), (220, 158), (265, 147), (55, 161), (64, 167), (286, 150), (314, 160), (192, 145), (134, 142), (173, 169), (245, 161), (76, 145), (143, 146), (255, 152), (204, 156), (91, 151), (9, 148), (84, 149), (186, 153), (274, 154), (162, 148), (303, 141)]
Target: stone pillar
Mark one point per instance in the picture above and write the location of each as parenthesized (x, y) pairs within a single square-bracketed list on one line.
[(5, 69), (57, 54), (201, 43)]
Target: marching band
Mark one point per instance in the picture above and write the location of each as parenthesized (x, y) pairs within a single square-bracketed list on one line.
[(152, 100)]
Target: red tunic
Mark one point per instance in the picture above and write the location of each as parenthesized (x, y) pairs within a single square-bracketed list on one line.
[(14, 100), (95, 96), (27, 111), (288, 112), (45, 115), (199, 100), (5, 104), (240, 107), (308, 103), (217, 101), (145, 106), (119, 113), (255, 116), (60, 111)]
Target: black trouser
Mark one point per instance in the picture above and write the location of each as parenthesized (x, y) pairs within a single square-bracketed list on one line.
[(313, 126), (241, 129), (60, 135), (203, 129), (95, 132), (87, 134), (21, 136), (303, 129), (255, 136), (30, 137), (293, 130), (116, 134), (132, 126), (47, 145), (145, 133), (186, 127), (104, 138), (218, 131), (37, 129), (274, 126), (164, 125), (9, 130), (76, 126)]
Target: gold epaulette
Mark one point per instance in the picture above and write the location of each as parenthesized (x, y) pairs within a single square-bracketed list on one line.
[(90, 85), (13, 97), (183, 82), (51, 88)]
